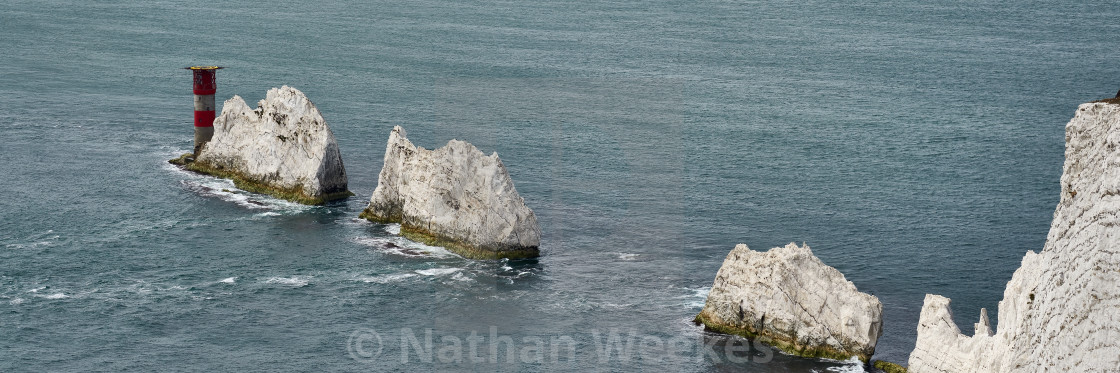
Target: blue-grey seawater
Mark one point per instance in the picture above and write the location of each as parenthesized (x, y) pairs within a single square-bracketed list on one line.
[(916, 146)]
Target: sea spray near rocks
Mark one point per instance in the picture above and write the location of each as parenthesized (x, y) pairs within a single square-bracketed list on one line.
[(788, 298), (455, 197), (283, 148), (1061, 310)]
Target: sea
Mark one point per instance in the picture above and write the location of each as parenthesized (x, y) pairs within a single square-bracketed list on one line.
[(916, 146)]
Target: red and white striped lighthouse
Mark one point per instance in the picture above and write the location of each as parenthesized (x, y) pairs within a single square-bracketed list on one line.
[(205, 85)]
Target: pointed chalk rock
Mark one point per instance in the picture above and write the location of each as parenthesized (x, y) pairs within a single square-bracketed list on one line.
[(788, 298), (982, 327), (1061, 310), (283, 148), (455, 197)]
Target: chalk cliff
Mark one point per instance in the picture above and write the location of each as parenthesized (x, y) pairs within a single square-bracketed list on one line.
[(1061, 310), (283, 148), (788, 298), (455, 197)]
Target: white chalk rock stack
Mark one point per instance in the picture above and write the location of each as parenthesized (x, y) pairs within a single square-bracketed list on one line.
[(788, 298), (1061, 309), (454, 196), (283, 147)]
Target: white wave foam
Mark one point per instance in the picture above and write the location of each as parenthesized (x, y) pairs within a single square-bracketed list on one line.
[(33, 241), (56, 296), (32, 245), (852, 365), (36, 290), (140, 287), (459, 276), (393, 228), (404, 247), (354, 221), (15, 301), (228, 280), (385, 279), (294, 281), (437, 271), (698, 297), (224, 189), (628, 256), (170, 152)]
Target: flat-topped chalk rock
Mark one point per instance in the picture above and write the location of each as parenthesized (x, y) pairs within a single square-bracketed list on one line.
[(454, 196), (283, 148), (789, 299), (1061, 310)]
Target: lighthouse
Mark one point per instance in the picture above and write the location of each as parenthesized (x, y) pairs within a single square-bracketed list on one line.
[(205, 85)]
